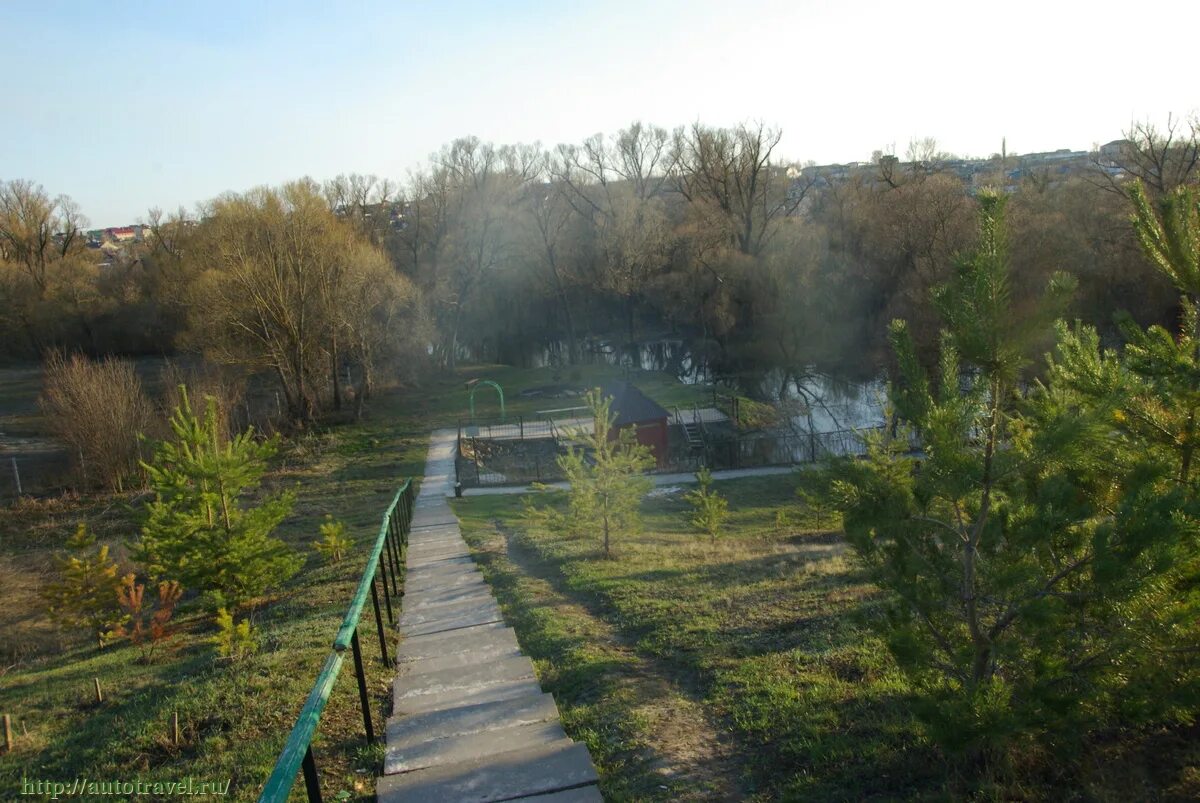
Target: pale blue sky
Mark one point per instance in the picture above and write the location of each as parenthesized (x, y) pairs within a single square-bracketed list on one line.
[(128, 105)]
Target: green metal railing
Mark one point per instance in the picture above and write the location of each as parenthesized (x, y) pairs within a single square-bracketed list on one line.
[(383, 570)]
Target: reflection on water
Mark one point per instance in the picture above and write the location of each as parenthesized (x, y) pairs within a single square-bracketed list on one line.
[(819, 402), (669, 355), (824, 403)]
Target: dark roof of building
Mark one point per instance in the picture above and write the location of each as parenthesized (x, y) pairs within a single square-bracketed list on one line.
[(631, 406)]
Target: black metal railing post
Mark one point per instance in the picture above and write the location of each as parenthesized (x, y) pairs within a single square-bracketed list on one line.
[(379, 623), (363, 698), (311, 782), (393, 566), (381, 573), (394, 550)]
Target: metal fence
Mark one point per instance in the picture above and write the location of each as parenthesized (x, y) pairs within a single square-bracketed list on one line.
[(739, 451), (383, 571)]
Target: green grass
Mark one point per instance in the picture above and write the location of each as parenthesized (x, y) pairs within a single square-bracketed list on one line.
[(757, 629), (762, 636), (234, 718)]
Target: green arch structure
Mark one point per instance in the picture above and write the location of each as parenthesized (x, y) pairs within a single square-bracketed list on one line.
[(474, 386)]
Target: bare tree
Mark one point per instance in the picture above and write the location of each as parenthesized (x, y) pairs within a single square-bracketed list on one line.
[(1161, 159), (731, 171)]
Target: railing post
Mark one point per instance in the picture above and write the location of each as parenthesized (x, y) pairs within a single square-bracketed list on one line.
[(381, 569), (311, 782), (391, 558), (521, 423), (393, 545), (379, 623), (363, 698)]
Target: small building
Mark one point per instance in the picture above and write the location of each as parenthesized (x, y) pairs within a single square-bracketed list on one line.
[(633, 408)]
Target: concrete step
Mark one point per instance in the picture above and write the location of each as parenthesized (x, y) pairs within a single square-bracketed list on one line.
[(464, 583), (441, 567), (432, 557), (453, 617), (446, 682), (429, 598), (412, 621), (443, 580), (424, 519), (580, 794), (455, 749), (505, 776), (449, 539), (484, 693), (495, 634), (407, 731), (474, 654)]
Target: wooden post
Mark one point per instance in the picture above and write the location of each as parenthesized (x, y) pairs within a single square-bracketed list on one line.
[(17, 475), (175, 728), (99, 694), (8, 739)]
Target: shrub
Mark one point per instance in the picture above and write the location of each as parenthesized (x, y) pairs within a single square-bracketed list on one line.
[(200, 530), (234, 641), (99, 410), (146, 633), (709, 508), (204, 382), (85, 594), (333, 544)]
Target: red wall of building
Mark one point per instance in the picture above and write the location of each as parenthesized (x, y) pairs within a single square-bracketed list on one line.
[(654, 435)]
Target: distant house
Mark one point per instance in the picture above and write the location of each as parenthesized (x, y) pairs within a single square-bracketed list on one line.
[(633, 408), (1117, 150)]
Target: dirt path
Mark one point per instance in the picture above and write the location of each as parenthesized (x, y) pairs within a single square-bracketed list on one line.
[(686, 748)]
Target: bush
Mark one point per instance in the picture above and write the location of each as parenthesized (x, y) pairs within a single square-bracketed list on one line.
[(85, 594), (204, 382), (146, 633), (99, 410), (333, 544)]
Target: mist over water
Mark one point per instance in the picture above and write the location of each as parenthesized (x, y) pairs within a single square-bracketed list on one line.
[(820, 401)]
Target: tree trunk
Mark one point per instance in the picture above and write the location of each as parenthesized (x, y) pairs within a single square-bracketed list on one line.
[(333, 372)]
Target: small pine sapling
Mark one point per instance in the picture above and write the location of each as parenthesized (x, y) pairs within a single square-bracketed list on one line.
[(234, 641), (606, 474), (201, 528), (709, 508), (334, 543), (85, 593)]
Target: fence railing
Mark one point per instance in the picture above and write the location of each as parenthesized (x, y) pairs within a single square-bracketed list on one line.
[(740, 451), (385, 564)]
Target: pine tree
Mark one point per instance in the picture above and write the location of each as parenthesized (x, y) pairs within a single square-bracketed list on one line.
[(1042, 552), (606, 475), (709, 508), (85, 593), (199, 530)]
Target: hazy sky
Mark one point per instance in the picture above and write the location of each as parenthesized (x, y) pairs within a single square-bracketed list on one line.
[(128, 105)]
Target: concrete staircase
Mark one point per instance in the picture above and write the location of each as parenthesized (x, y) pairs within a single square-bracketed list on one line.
[(469, 720)]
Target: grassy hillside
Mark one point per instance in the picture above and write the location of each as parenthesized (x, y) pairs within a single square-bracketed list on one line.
[(234, 719), (741, 668)]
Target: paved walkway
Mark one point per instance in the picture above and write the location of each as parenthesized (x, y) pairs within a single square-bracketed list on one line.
[(469, 720), (659, 479)]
